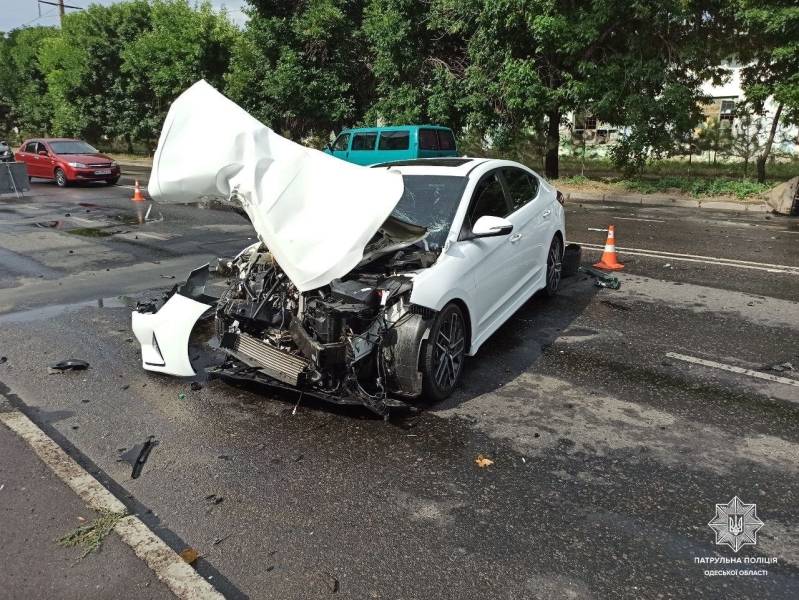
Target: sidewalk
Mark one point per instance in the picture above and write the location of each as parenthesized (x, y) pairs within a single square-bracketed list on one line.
[(666, 200), (35, 509)]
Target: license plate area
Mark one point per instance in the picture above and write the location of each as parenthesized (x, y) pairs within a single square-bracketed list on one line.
[(103, 172)]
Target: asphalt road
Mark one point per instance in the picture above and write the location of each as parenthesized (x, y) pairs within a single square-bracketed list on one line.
[(611, 443)]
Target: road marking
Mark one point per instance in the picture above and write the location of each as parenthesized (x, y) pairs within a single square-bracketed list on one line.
[(82, 220), (733, 369), (595, 229), (637, 219), (167, 565), (727, 262), (155, 236)]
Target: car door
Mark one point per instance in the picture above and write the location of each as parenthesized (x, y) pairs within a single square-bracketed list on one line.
[(362, 149), (532, 219), (341, 147), (30, 158), (498, 271)]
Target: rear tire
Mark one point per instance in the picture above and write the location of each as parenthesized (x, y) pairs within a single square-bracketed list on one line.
[(61, 178), (444, 353), (554, 266)]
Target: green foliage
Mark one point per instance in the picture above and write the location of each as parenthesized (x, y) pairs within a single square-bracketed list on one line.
[(714, 138), (698, 188), (299, 68)]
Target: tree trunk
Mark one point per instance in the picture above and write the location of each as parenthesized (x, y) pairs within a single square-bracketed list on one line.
[(553, 144), (761, 160)]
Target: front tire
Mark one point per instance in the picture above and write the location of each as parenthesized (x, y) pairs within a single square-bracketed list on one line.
[(445, 350), (60, 178), (554, 266)]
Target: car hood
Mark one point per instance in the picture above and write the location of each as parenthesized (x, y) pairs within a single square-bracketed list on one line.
[(85, 158), (315, 213)]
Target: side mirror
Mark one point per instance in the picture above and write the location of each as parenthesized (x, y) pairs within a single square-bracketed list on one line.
[(43, 153), (491, 227)]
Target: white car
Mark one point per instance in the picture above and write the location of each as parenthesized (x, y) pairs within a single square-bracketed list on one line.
[(394, 303)]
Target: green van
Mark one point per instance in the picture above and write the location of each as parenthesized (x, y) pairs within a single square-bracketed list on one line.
[(372, 145)]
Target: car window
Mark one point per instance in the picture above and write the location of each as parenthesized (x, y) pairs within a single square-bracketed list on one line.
[(41, 148), (341, 143), (30, 147), (431, 201), (394, 140), (489, 200), (364, 141), (428, 140), (446, 141), (520, 187), (72, 147)]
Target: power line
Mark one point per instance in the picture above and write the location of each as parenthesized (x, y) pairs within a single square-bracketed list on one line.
[(60, 4)]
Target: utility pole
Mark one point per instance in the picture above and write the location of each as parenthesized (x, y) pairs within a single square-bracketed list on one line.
[(60, 10)]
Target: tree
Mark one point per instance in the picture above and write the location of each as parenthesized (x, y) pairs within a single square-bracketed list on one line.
[(535, 60), (745, 139), (418, 66), (714, 138), (301, 68), (23, 89), (183, 45), (83, 66), (769, 46)]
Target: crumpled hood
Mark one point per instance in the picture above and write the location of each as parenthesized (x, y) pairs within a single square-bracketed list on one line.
[(314, 212)]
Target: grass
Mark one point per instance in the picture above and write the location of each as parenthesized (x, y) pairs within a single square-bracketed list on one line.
[(697, 188), (92, 534)]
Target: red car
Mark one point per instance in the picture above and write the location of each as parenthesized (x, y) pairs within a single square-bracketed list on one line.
[(67, 161)]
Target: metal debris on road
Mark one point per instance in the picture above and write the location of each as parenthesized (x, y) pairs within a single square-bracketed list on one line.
[(71, 364), (167, 276), (783, 367), (214, 499), (602, 279), (138, 455)]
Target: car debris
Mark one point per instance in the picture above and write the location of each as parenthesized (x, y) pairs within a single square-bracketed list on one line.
[(602, 279), (214, 499), (196, 386), (783, 367), (71, 364), (138, 455)]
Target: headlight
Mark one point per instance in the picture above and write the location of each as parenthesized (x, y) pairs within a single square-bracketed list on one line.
[(77, 165), (114, 163)]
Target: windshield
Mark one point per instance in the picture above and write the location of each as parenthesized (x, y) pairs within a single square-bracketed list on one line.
[(72, 147), (431, 201)]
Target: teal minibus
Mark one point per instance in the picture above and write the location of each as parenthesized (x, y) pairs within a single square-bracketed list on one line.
[(372, 145)]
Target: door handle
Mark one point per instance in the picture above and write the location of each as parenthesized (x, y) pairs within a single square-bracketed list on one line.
[(515, 238), (545, 214)]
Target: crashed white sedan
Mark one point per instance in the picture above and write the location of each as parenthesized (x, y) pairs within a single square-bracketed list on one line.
[(367, 284)]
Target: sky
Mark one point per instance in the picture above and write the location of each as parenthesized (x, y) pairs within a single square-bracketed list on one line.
[(16, 13)]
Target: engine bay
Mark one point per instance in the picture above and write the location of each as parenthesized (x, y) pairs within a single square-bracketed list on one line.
[(338, 342)]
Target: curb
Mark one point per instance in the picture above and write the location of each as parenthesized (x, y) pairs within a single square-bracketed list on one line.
[(674, 202), (167, 565)]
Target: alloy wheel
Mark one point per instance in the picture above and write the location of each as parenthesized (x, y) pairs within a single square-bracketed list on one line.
[(554, 266), (448, 353)]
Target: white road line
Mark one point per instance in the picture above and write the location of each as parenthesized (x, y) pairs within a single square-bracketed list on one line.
[(733, 369), (82, 220), (167, 565), (727, 262), (637, 219), (155, 236)]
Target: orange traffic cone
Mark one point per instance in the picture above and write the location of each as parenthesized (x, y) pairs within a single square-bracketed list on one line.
[(609, 262), (137, 197)]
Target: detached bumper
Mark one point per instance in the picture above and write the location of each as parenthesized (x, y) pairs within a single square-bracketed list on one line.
[(163, 332)]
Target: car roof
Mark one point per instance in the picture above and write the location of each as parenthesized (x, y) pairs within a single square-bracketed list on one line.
[(454, 166), (393, 128)]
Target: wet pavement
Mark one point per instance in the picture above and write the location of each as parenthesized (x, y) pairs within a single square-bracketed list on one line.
[(609, 456)]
